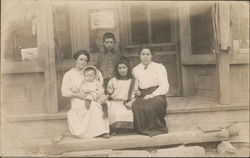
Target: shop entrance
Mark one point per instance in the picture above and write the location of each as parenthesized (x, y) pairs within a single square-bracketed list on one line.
[(81, 26)]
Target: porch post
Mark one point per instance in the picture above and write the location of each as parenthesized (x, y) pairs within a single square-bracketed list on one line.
[(48, 51), (185, 43), (79, 26), (223, 68), (223, 33)]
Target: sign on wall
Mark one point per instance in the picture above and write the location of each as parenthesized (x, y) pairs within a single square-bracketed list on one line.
[(102, 19), (29, 54)]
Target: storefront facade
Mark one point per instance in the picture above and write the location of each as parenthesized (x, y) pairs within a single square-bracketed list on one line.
[(38, 45)]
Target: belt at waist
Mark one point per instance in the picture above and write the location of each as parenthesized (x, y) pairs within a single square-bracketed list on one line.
[(148, 90)]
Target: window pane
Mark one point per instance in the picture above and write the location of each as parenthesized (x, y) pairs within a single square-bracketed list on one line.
[(139, 24), (240, 25), (62, 38), (160, 25), (21, 40), (201, 28)]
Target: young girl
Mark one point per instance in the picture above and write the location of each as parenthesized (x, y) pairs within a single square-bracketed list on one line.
[(119, 87)]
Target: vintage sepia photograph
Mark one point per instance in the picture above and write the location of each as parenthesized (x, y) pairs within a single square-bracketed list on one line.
[(82, 78)]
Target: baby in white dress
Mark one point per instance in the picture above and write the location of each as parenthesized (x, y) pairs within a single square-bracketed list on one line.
[(92, 88)]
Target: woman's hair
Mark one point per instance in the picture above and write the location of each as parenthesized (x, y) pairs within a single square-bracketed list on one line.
[(123, 60), (81, 52), (145, 47), (108, 35)]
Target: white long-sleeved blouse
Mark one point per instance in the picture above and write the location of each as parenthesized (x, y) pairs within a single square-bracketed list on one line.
[(72, 80), (154, 75)]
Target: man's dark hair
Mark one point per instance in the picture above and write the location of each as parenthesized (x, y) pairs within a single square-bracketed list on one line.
[(108, 35)]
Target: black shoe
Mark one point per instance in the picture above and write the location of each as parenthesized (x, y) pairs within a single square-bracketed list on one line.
[(106, 135)]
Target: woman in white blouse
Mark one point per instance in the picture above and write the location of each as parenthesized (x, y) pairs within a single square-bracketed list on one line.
[(83, 122), (149, 108)]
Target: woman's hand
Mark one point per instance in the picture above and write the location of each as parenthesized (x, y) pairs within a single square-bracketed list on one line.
[(110, 90), (149, 96), (79, 95), (137, 92)]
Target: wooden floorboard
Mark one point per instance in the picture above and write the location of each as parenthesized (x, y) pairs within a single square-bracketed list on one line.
[(175, 105)]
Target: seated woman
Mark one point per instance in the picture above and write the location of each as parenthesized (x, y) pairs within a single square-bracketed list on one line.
[(84, 122), (120, 89), (149, 108)]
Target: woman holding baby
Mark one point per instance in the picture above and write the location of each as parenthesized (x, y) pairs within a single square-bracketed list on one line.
[(85, 118)]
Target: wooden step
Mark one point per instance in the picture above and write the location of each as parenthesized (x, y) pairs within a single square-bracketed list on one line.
[(70, 144)]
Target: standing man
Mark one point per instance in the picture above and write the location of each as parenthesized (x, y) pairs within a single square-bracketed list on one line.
[(106, 60)]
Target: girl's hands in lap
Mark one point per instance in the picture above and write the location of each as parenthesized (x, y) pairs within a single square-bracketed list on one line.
[(137, 92)]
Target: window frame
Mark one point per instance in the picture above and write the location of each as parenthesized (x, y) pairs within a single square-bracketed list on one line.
[(148, 7), (241, 55), (187, 57), (199, 52), (10, 66)]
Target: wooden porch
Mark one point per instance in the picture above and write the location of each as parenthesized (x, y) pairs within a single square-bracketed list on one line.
[(187, 117)]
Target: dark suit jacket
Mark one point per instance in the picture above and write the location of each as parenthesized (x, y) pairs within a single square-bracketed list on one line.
[(106, 63)]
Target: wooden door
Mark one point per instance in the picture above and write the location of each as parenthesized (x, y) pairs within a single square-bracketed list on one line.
[(87, 22), (199, 75), (221, 74), (153, 24), (79, 26)]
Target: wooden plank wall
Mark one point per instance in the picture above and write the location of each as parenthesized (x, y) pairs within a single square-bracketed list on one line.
[(23, 93), (202, 81), (239, 75)]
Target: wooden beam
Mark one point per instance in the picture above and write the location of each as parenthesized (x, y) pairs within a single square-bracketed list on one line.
[(176, 38), (131, 141), (79, 26), (223, 68), (47, 48), (148, 12), (185, 43), (121, 23)]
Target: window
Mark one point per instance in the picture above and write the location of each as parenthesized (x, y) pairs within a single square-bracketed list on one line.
[(139, 24), (149, 24), (160, 25), (62, 39), (240, 25), (21, 39), (201, 28)]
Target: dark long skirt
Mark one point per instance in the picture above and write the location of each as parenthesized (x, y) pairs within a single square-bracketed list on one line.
[(149, 114)]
